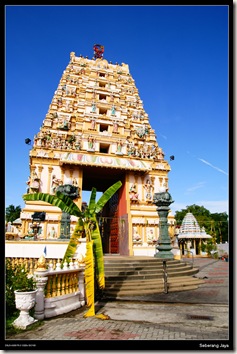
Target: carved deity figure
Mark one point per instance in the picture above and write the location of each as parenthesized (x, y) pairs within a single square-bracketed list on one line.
[(113, 110), (149, 188), (150, 236), (93, 124), (72, 56), (136, 236), (52, 233), (55, 183), (93, 108), (115, 127), (133, 192), (91, 142), (119, 146)]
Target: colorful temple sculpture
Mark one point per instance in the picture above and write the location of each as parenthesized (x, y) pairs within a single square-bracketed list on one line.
[(95, 133)]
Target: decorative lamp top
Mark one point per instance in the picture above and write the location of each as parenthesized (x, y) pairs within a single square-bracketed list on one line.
[(98, 51), (69, 190), (162, 198)]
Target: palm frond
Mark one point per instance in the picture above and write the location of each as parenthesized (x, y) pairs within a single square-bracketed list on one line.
[(87, 225), (98, 255), (89, 280), (62, 202), (73, 242), (106, 196), (91, 205), (69, 202), (102, 316)]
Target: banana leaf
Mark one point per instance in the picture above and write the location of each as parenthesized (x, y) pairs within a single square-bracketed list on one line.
[(90, 285), (60, 200), (92, 203), (87, 224), (95, 232), (89, 280), (98, 254), (106, 196), (74, 241)]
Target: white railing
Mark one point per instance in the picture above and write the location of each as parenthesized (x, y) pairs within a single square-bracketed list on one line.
[(59, 291)]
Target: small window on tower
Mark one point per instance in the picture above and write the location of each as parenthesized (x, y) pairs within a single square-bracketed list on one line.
[(104, 127), (102, 84), (103, 111), (102, 97), (104, 148)]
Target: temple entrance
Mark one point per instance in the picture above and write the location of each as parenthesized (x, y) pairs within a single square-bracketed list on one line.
[(111, 235), (102, 179)]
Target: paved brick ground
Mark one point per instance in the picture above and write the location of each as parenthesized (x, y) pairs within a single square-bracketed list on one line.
[(194, 320)]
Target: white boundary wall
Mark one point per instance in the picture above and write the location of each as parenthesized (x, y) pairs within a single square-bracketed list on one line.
[(35, 249)]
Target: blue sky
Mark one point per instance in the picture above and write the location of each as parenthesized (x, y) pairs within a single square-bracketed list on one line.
[(178, 57)]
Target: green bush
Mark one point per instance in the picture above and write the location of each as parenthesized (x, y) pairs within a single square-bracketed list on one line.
[(210, 247), (16, 278), (203, 247)]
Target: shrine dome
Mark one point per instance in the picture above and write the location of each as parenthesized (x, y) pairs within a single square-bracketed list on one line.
[(191, 229)]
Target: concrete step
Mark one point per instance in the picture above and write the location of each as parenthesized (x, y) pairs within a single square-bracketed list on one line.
[(139, 270), (149, 275), (137, 276), (145, 265), (173, 285), (149, 283), (135, 260)]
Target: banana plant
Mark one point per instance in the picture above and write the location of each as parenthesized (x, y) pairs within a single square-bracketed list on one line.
[(87, 225)]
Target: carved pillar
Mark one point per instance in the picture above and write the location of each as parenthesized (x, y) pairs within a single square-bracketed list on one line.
[(161, 181), (50, 169), (40, 169), (24, 227), (166, 182), (143, 197)]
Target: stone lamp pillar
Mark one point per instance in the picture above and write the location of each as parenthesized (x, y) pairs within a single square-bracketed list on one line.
[(72, 192), (163, 200), (65, 225)]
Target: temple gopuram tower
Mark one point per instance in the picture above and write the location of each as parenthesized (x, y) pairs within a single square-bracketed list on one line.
[(95, 133)]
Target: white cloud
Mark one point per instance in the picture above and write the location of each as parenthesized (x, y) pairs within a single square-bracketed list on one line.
[(163, 136), (216, 168), (197, 186)]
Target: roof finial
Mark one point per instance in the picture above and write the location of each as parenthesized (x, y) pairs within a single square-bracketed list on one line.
[(98, 51)]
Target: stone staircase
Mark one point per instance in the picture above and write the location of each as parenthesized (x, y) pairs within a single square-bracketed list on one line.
[(138, 276)]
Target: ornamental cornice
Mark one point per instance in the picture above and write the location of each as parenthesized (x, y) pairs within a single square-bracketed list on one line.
[(105, 161)]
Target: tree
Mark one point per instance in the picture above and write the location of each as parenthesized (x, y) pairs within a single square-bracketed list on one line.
[(220, 226), (13, 213), (215, 224), (86, 225)]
